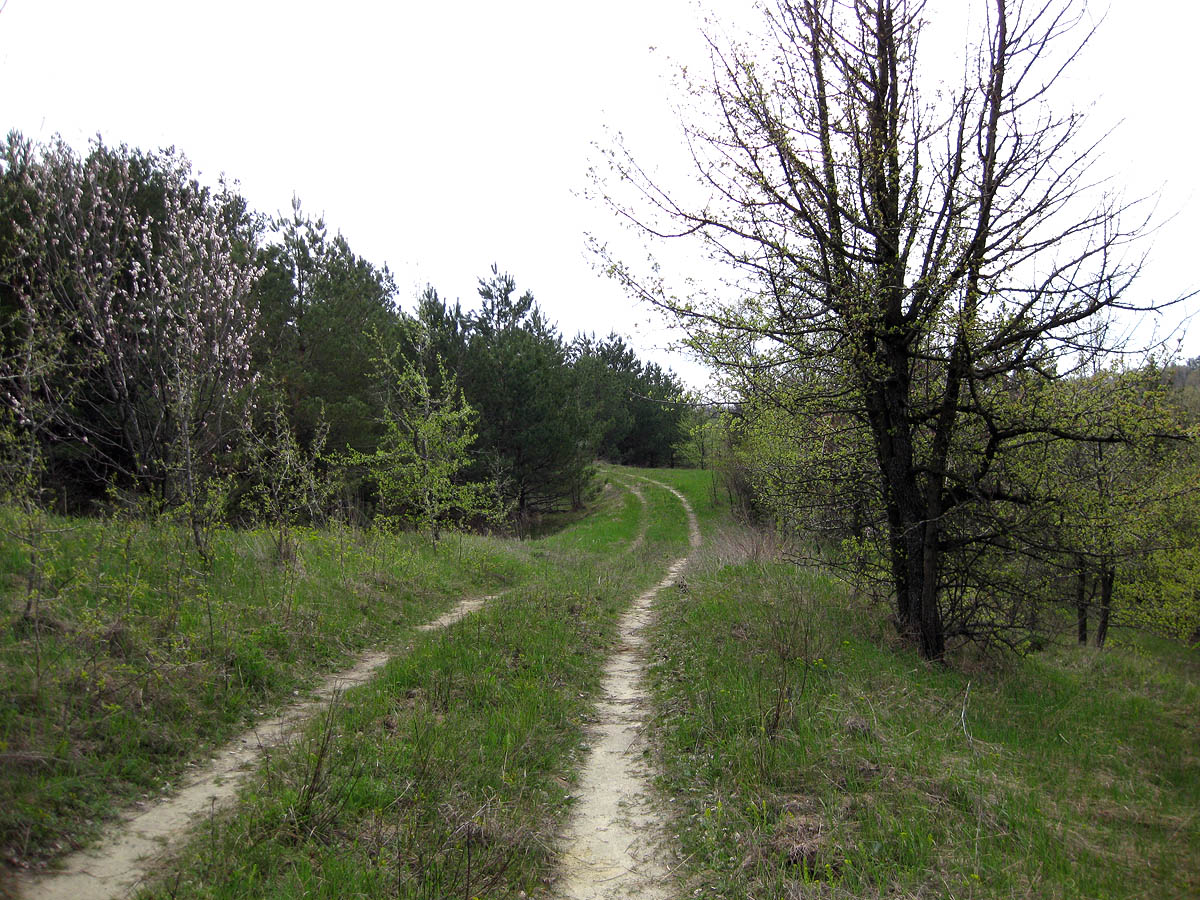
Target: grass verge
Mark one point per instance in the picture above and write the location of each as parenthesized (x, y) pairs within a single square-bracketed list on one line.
[(809, 755)]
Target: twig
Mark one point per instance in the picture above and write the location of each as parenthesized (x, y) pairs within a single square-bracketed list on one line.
[(963, 717)]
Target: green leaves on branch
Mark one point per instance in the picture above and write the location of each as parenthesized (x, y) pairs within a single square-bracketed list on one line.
[(291, 484), (420, 464)]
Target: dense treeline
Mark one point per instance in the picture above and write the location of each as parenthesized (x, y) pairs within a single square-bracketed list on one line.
[(167, 345)]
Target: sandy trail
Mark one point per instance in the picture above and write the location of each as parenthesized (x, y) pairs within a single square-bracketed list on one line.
[(614, 845), (131, 847)]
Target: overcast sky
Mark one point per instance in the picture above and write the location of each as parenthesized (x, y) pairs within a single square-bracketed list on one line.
[(442, 137)]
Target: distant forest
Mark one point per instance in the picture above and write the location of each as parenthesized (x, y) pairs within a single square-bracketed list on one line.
[(166, 345)]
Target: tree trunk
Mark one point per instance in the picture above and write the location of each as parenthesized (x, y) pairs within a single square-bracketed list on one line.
[(933, 638), (1081, 605), (1108, 576), (913, 521)]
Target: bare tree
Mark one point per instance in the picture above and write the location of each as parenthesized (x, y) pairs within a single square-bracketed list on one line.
[(910, 260)]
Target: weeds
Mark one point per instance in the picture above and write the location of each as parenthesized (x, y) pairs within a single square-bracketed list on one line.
[(324, 779), (152, 656), (464, 748), (809, 758)]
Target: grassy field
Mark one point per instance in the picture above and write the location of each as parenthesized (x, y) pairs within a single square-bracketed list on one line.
[(450, 773), (144, 657), (803, 752), (807, 755)]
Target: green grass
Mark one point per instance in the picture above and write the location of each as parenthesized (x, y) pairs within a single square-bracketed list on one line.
[(144, 657), (809, 755), (805, 751), (450, 773), (698, 485)]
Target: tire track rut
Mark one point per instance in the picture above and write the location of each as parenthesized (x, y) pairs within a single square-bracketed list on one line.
[(130, 849), (614, 845)]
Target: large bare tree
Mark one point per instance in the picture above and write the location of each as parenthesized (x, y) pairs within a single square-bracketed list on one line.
[(909, 258)]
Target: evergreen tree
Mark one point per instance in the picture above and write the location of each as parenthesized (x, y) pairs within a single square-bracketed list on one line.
[(319, 303), (534, 438)]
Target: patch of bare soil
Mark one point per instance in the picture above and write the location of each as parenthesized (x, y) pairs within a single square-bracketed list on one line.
[(614, 846), (131, 847)]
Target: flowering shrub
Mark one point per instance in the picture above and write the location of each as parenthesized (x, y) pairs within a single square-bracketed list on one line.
[(142, 278)]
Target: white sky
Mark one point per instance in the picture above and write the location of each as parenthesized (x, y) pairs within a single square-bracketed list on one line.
[(443, 137)]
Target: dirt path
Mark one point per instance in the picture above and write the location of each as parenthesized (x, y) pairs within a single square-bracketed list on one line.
[(130, 848), (641, 535), (614, 843)]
